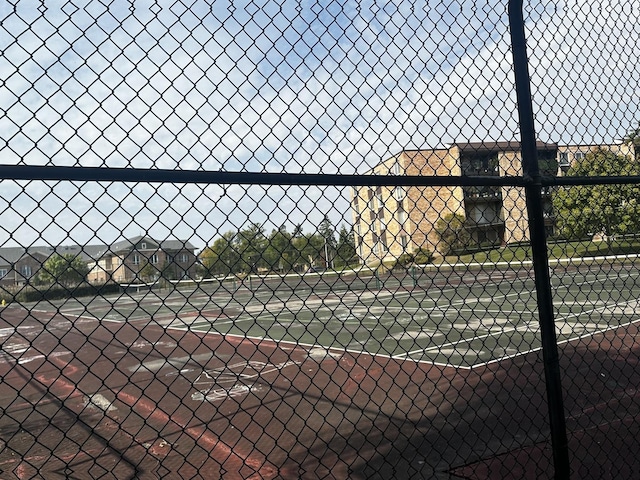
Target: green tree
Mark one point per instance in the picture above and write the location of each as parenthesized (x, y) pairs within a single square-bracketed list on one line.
[(585, 210), (309, 249), (297, 243), (279, 253), (327, 231), (66, 270), (346, 248), (251, 244), (632, 138), (453, 233), (222, 258), (168, 271), (148, 273)]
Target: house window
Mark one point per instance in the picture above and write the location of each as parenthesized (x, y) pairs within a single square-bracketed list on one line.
[(143, 245), (3, 272), (183, 258), (136, 259), (25, 270), (578, 156), (399, 193), (154, 259)]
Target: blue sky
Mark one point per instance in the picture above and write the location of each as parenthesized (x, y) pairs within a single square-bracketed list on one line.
[(279, 86)]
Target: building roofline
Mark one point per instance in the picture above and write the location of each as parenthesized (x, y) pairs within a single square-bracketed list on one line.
[(505, 146)]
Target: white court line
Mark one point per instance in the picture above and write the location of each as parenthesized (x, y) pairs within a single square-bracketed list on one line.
[(497, 334), (403, 294), (562, 342)]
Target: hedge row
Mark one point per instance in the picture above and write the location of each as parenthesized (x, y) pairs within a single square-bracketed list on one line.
[(55, 292)]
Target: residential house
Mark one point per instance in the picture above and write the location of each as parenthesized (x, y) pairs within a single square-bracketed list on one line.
[(19, 265), (121, 262), (125, 261)]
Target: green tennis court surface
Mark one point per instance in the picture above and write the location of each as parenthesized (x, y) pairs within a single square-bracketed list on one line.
[(463, 319)]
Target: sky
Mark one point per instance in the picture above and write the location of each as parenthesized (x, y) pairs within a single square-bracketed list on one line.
[(278, 86)]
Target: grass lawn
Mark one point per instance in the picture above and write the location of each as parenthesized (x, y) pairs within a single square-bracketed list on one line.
[(555, 250)]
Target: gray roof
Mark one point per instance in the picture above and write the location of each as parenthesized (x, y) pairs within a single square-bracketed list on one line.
[(171, 244), (89, 253), (10, 255)]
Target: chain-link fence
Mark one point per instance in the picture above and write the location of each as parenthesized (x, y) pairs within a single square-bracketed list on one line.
[(311, 239)]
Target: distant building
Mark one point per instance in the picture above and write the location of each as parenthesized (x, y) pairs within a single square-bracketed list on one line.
[(121, 262), (569, 154), (19, 266), (390, 221)]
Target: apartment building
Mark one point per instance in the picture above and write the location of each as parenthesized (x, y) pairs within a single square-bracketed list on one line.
[(390, 221)]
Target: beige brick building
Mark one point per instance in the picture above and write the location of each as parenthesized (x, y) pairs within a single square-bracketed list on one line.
[(391, 221)]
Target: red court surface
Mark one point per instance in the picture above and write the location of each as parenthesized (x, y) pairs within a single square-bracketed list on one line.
[(87, 399)]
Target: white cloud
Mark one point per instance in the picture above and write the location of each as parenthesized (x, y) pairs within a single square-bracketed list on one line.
[(285, 87)]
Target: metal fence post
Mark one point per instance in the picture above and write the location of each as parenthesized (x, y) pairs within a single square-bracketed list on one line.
[(533, 193)]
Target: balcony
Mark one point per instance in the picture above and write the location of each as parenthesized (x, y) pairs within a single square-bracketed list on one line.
[(482, 194)]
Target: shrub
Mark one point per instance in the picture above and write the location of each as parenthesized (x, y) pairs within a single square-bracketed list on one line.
[(422, 256), (454, 234)]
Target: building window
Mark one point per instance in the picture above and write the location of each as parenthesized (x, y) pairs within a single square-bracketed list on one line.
[(402, 216), (143, 245), (564, 159), (358, 228), (578, 156), (399, 193), (136, 259), (383, 243), (383, 223), (3, 272), (356, 206), (25, 270), (375, 248), (154, 259), (404, 242), (183, 258), (379, 199), (395, 169)]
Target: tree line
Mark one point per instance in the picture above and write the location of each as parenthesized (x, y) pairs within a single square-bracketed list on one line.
[(252, 249)]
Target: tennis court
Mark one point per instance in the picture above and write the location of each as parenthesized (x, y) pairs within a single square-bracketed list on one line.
[(352, 375), (455, 318)]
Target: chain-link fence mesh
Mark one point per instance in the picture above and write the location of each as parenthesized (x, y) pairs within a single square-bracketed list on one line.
[(312, 239)]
